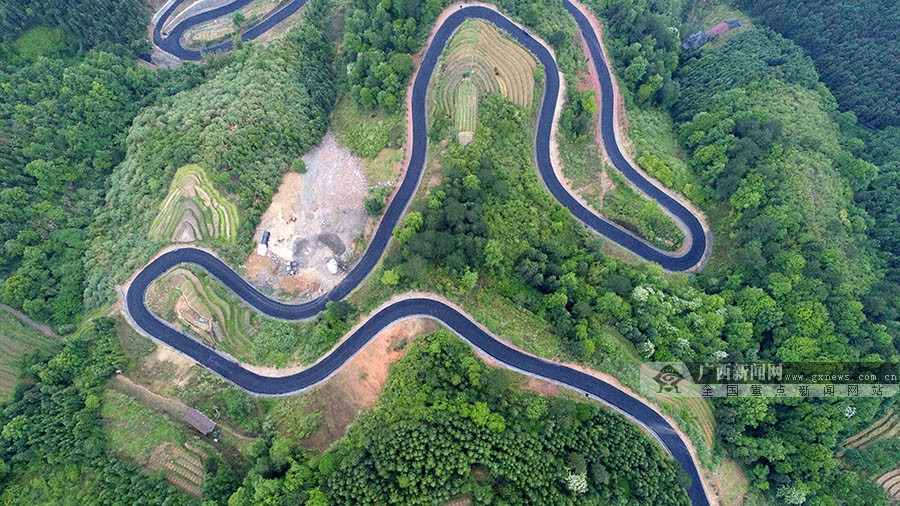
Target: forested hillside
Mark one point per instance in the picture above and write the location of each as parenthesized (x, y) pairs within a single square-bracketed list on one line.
[(854, 45), (643, 48), (753, 55), (63, 128), (247, 126), (447, 426), (52, 447), (87, 22), (804, 207), (770, 148)]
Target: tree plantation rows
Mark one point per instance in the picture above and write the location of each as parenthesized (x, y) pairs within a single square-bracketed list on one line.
[(854, 46)]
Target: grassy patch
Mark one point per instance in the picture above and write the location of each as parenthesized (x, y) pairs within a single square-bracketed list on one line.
[(133, 344), (653, 132), (194, 210), (612, 196), (221, 401), (466, 107), (733, 483), (645, 217), (16, 341), (292, 417), (714, 15), (582, 163), (503, 317), (41, 41), (133, 430), (153, 441), (384, 169), (366, 132)]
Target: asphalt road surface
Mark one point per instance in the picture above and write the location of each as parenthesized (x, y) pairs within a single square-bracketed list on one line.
[(171, 41), (462, 325)]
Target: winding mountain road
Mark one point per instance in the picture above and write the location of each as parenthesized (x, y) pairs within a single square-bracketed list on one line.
[(458, 322)]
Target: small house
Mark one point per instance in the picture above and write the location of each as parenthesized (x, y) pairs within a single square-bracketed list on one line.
[(695, 40), (717, 30), (199, 421)]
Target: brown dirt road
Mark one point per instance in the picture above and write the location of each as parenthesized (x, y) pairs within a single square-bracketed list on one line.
[(28, 322)]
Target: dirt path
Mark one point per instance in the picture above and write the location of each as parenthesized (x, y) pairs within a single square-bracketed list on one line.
[(168, 405), (28, 322)]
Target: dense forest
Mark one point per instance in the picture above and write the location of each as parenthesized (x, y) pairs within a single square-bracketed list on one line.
[(86, 23), (854, 45), (65, 120), (643, 48), (447, 424)]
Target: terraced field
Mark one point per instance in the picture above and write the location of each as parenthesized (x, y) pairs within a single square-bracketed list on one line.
[(891, 482), (881, 429), (16, 341), (152, 440), (479, 61), (215, 30), (194, 210), (182, 465), (217, 318)]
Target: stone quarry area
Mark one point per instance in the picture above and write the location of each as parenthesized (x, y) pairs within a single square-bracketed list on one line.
[(313, 221)]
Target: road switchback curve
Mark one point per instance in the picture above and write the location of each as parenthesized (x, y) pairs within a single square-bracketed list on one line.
[(461, 324)]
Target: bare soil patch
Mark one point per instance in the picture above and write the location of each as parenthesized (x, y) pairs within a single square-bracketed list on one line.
[(358, 385), (313, 221), (728, 483)]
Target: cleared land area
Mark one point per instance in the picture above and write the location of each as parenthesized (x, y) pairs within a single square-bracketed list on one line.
[(479, 61), (194, 210), (151, 440), (16, 341)]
